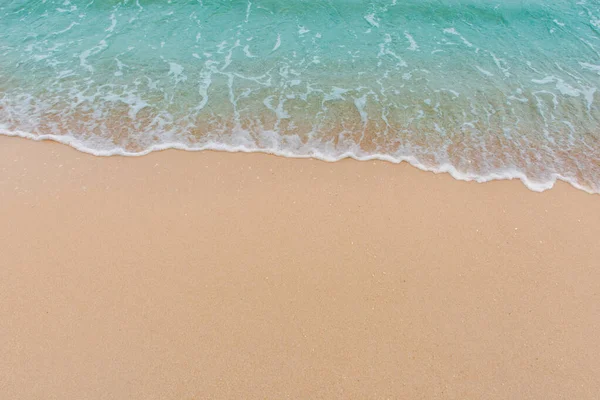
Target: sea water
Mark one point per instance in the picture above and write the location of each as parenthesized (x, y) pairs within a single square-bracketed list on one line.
[(483, 89)]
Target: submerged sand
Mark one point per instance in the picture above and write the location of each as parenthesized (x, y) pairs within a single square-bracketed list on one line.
[(185, 275)]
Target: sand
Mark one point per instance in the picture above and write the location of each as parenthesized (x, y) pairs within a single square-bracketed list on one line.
[(209, 275)]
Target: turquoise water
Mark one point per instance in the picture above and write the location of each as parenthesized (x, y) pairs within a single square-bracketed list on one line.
[(482, 89)]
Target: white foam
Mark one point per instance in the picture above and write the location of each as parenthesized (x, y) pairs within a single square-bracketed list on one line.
[(567, 90), (101, 46), (360, 104), (371, 19), (277, 43), (103, 148), (68, 28), (248, 9), (501, 64), (336, 94), (279, 110), (176, 71), (302, 30), (454, 32), (135, 102), (591, 67), (113, 23), (384, 50), (484, 71), (413, 44), (247, 52)]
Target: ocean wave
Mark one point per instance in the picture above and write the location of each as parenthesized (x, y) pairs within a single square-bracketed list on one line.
[(479, 89)]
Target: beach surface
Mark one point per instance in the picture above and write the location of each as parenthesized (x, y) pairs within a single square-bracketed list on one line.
[(207, 275)]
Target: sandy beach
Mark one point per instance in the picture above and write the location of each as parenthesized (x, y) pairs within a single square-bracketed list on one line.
[(182, 275)]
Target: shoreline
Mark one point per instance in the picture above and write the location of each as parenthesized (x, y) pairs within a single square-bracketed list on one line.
[(217, 275), (411, 160)]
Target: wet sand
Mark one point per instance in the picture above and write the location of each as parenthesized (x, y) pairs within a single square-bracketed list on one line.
[(206, 275)]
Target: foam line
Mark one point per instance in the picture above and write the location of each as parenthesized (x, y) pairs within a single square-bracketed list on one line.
[(443, 168)]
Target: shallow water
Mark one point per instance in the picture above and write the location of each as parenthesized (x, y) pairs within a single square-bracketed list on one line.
[(481, 89)]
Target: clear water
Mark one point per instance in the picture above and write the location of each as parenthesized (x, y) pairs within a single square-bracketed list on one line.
[(483, 89)]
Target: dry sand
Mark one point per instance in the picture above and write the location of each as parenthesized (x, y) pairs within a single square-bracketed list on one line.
[(211, 275)]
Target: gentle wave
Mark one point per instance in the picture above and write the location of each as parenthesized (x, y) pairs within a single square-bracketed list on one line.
[(80, 145), (480, 89)]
